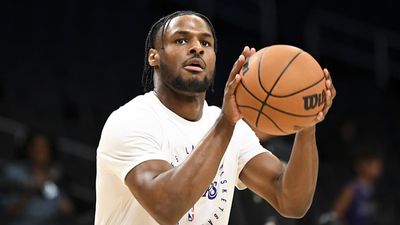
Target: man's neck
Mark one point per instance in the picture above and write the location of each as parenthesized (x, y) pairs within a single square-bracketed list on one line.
[(188, 106)]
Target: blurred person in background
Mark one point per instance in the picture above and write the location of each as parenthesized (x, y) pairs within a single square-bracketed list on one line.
[(357, 203), (34, 195)]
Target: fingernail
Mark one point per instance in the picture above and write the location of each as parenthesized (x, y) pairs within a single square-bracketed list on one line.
[(326, 72)]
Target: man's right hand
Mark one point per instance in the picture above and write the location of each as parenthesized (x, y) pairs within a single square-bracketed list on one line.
[(230, 110)]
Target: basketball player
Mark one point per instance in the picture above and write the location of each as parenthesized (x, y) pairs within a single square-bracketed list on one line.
[(167, 157)]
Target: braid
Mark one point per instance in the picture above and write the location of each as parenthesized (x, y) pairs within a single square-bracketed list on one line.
[(162, 24), (147, 76)]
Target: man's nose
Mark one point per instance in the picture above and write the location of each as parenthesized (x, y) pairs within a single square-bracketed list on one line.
[(196, 48)]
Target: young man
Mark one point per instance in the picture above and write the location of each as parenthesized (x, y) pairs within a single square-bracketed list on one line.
[(168, 158)]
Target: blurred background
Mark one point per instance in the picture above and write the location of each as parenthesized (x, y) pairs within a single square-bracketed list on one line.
[(66, 65)]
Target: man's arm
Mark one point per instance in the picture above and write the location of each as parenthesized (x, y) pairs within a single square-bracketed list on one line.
[(167, 192), (289, 188)]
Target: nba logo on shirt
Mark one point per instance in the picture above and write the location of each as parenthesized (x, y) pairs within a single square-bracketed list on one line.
[(191, 215)]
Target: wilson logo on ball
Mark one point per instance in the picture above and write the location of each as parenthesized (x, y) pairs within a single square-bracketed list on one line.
[(312, 101)]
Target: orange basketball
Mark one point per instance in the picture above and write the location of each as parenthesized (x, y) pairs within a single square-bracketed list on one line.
[(282, 90)]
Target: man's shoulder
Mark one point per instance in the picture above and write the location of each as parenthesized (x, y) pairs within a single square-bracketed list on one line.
[(141, 104), (141, 109)]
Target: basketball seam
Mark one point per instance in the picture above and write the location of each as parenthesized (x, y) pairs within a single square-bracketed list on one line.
[(259, 73), (248, 91), (289, 113), (296, 92), (273, 122), (272, 107), (274, 85)]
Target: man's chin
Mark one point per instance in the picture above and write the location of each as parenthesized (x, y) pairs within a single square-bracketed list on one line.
[(193, 85)]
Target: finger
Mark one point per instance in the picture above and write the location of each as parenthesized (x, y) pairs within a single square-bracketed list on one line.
[(236, 67), (320, 117), (252, 51), (333, 90), (328, 103), (325, 109), (246, 51), (328, 84), (328, 99), (330, 94), (233, 84), (327, 74)]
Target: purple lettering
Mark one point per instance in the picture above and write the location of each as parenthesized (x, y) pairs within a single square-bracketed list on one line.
[(212, 191)]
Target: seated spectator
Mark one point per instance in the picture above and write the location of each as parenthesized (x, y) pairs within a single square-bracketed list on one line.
[(34, 195)]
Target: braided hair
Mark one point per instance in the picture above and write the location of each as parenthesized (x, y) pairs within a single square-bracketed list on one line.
[(162, 24)]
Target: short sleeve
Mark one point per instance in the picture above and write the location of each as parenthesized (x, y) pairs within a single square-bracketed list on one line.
[(127, 141), (249, 146)]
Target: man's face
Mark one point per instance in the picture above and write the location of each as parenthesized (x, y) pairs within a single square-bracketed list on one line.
[(187, 62)]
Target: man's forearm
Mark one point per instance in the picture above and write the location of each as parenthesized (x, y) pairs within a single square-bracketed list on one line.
[(176, 190), (300, 177), (205, 159)]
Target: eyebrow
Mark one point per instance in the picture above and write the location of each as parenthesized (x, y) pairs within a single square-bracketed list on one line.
[(184, 32)]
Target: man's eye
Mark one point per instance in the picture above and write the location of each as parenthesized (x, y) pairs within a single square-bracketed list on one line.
[(206, 43), (181, 41)]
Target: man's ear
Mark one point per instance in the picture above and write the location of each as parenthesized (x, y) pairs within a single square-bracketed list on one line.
[(153, 58)]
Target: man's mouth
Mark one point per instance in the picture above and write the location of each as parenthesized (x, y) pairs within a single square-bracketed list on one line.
[(194, 64), (194, 67)]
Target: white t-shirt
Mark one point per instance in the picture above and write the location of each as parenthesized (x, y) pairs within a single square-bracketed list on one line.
[(144, 129)]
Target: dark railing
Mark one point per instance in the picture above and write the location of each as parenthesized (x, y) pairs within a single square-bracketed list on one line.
[(355, 42)]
